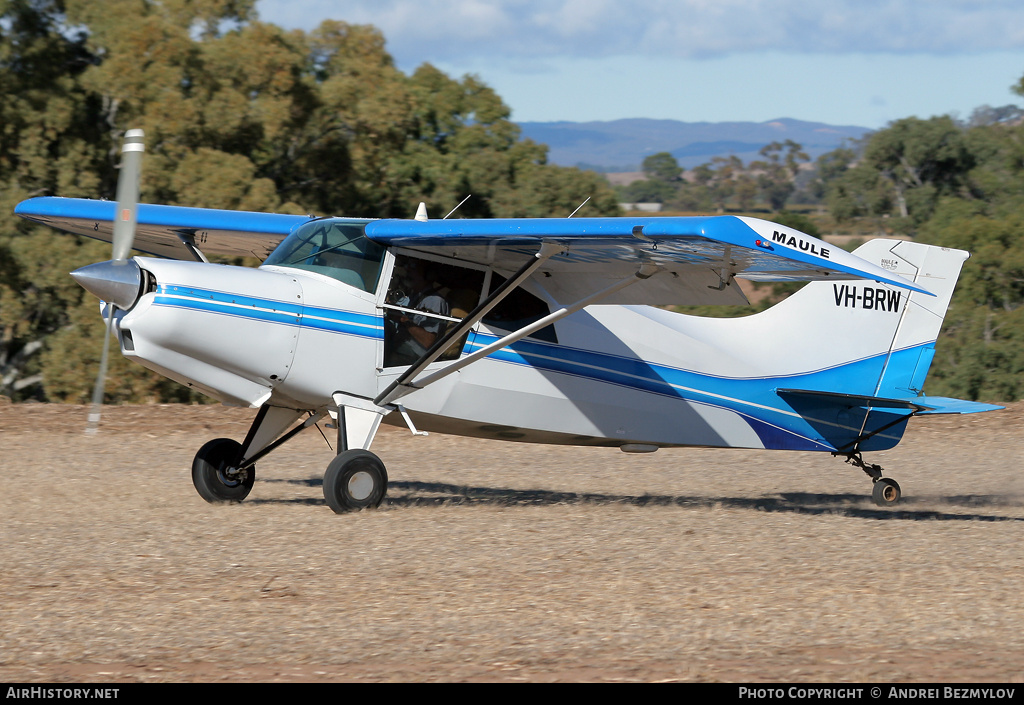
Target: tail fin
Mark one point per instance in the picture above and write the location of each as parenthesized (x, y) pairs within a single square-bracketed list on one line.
[(839, 365), (873, 347), (888, 332)]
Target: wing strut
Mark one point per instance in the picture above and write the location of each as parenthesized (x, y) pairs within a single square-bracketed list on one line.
[(404, 385), (189, 241), (547, 251)]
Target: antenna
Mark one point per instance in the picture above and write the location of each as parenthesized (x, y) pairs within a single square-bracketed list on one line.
[(456, 207), (578, 207)]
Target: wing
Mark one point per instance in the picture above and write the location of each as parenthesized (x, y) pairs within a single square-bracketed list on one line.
[(699, 257), (174, 232)]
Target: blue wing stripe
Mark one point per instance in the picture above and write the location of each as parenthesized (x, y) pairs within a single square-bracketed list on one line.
[(172, 217)]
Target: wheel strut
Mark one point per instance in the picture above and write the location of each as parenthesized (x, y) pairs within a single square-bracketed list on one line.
[(856, 459), (885, 491)]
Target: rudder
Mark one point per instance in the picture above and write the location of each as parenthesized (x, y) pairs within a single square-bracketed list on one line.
[(913, 344)]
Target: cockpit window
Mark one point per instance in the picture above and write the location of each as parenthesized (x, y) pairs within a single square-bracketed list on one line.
[(335, 248)]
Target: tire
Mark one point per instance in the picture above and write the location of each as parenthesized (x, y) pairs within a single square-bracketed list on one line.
[(214, 476), (356, 479), (885, 492)]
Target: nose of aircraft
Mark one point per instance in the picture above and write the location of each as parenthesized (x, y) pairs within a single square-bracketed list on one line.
[(116, 281)]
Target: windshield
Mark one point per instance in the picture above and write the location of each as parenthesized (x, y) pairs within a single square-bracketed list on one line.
[(334, 247)]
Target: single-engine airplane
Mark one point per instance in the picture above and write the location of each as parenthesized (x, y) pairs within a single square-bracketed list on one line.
[(538, 330)]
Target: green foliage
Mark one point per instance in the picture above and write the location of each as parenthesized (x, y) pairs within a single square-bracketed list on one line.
[(648, 191), (903, 171), (777, 172), (662, 184), (238, 114), (661, 167), (959, 186), (981, 351), (242, 114), (798, 221), (720, 182)]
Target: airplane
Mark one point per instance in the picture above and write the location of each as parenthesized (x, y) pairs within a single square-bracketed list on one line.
[(537, 330)]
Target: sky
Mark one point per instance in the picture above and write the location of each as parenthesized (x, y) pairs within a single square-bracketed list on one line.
[(842, 62)]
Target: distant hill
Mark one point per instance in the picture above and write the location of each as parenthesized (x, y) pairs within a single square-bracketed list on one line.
[(621, 145)]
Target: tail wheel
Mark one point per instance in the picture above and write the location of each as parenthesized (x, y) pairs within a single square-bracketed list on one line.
[(214, 473), (885, 492), (356, 479)]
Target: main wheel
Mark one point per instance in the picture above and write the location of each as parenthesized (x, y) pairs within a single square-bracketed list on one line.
[(355, 479), (885, 492), (214, 475)]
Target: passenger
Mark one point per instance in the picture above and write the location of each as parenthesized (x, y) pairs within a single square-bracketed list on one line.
[(417, 333)]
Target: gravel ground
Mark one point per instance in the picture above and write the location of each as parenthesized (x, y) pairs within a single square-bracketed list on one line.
[(506, 562)]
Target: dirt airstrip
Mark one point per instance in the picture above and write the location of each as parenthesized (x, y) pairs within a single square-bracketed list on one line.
[(503, 562)]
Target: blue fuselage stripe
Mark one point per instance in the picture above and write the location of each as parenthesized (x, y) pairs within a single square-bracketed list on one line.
[(280, 312), (754, 397)]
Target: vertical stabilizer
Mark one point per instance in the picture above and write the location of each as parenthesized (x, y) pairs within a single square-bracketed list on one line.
[(873, 339), (868, 346), (912, 344)]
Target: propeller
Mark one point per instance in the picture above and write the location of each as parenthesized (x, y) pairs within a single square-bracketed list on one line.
[(115, 273)]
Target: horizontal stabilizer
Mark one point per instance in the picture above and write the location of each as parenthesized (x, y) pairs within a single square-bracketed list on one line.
[(945, 405), (850, 401), (860, 422), (919, 405)]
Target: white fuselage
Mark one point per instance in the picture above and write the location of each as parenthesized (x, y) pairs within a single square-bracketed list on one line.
[(293, 338), (633, 376)]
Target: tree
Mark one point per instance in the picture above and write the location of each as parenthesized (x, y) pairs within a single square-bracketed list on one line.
[(985, 115), (662, 184), (661, 167), (722, 183), (921, 160), (648, 191), (51, 138), (981, 351), (858, 191), (829, 168), (238, 114), (778, 171)]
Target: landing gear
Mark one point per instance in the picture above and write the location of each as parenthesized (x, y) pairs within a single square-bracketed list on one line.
[(885, 491), (355, 479), (224, 470), (215, 475)]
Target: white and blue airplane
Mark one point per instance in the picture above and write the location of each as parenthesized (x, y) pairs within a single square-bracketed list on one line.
[(541, 330)]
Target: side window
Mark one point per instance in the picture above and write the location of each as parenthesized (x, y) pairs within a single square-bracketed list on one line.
[(518, 309), (426, 298)]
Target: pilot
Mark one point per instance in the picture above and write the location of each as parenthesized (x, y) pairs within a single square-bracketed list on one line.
[(417, 333)]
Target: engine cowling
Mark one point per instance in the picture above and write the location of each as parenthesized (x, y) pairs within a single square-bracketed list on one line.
[(229, 332)]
